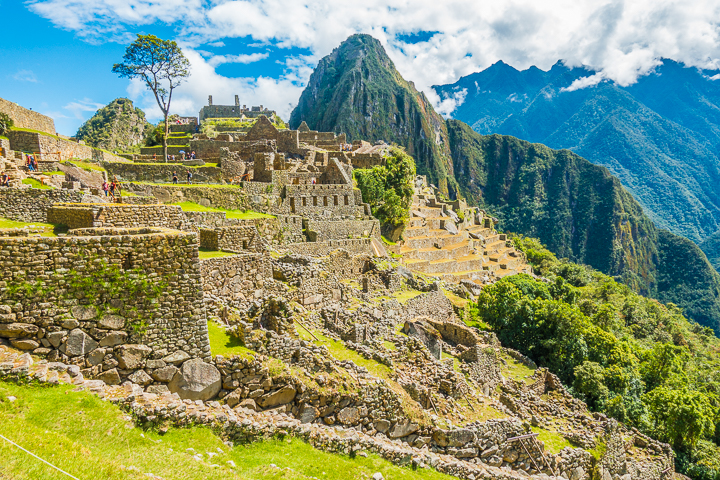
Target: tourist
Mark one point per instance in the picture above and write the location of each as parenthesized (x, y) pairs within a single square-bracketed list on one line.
[(112, 190), (117, 186), (189, 177), (175, 178), (4, 180), (192, 155), (173, 157), (29, 164), (154, 157), (105, 187)]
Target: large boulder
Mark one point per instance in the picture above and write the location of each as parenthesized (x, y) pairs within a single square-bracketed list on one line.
[(132, 356), (17, 330), (349, 416), (404, 429), (79, 343), (426, 333), (279, 397), (196, 380)]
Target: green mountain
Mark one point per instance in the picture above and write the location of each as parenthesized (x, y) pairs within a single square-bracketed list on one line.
[(659, 136), (357, 90), (118, 126), (578, 209)]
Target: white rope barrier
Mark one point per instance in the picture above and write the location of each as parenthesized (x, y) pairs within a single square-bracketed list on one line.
[(27, 451)]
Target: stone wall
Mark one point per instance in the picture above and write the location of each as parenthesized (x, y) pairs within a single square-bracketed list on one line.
[(433, 305), (366, 160), (321, 249), (49, 146), (227, 196), (210, 149), (238, 239), (25, 118), (118, 215), (161, 172), (239, 278), (323, 230), (311, 200), (145, 307), (32, 204)]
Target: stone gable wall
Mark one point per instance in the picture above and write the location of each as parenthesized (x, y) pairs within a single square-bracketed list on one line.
[(25, 118), (366, 160), (64, 323), (49, 146), (32, 204), (323, 230)]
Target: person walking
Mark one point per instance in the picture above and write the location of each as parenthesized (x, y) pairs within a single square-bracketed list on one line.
[(105, 187), (189, 177), (175, 178)]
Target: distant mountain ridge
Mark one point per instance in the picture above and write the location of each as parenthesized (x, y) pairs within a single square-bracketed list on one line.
[(576, 208), (659, 136)]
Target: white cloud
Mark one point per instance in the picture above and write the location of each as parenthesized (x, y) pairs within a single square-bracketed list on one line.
[(446, 106), (620, 40), (25, 76), (79, 108), (242, 58), (584, 82)]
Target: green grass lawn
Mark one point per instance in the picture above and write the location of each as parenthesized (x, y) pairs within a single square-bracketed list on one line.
[(226, 345), (207, 253), (56, 172), (48, 229), (87, 166), (36, 184), (242, 214), (90, 439)]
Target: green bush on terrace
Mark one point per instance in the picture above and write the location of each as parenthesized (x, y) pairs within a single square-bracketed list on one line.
[(628, 356)]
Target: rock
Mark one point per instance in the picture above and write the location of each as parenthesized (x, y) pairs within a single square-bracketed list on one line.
[(308, 414), (378, 476), (141, 378), (279, 397), (96, 356), (426, 333), (381, 425), (153, 364), (640, 442), (348, 416), (55, 338), (492, 450), (196, 380), (24, 344), (18, 330), (84, 312), (111, 377), (233, 399), (79, 343), (403, 430), (510, 456), (451, 227), (111, 322), (164, 374), (177, 357), (113, 338), (577, 474), (132, 356), (248, 403), (461, 437), (158, 389), (70, 324), (464, 452)]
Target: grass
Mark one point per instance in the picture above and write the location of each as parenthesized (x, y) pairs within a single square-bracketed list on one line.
[(193, 185), (56, 172), (179, 166), (242, 214), (405, 295), (554, 442), (18, 129), (221, 343), (455, 299), (48, 229), (91, 438), (87, 166), (516, 370), (36, 184), (207, 253)]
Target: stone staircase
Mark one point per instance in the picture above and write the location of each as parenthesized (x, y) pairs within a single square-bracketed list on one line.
[(438, 243)]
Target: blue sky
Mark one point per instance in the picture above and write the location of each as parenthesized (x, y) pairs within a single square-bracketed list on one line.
[(57, 55)]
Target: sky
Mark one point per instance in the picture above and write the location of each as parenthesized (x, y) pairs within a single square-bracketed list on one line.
[(57, 55)]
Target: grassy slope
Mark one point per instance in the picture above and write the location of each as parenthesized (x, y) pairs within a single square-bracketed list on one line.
[(91, 438), (48, 229), (245, 215)]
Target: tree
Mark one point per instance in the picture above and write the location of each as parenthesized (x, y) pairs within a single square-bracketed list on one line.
[(161, 65), (681, 417), (6, 123)]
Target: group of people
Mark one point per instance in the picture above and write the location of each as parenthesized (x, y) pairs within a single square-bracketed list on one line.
[(31, 163), (183, 156), (346, 147), (111, 189), (175, 177)]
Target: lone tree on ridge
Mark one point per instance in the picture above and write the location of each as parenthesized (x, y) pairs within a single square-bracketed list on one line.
[(162, 66)]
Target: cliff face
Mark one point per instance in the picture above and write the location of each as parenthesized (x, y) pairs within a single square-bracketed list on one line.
[(357, 90), (117, 126), (578, 209)]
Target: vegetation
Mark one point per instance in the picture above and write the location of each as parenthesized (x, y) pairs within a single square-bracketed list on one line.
[(36, 184), (222, 343), (161, 65), (389, 188), (213, 126), (87, 166), (48, 230), (241, 214), (91, 438), (118, 126), (628, 356), (6, 123)]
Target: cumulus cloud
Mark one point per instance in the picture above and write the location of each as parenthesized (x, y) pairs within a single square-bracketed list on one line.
[(446, 105), (242, 58), (618, 39), (25, 76)]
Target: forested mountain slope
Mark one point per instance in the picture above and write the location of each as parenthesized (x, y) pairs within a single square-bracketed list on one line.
[(660, 136), (576, 208)]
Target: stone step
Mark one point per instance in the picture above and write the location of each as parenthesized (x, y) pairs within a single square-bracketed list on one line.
[(435, 237)]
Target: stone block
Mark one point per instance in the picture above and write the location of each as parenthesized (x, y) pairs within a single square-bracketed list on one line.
[(132, 357), (196, 380)]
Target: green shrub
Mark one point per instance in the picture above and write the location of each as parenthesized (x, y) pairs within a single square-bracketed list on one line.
[(6, 123)]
